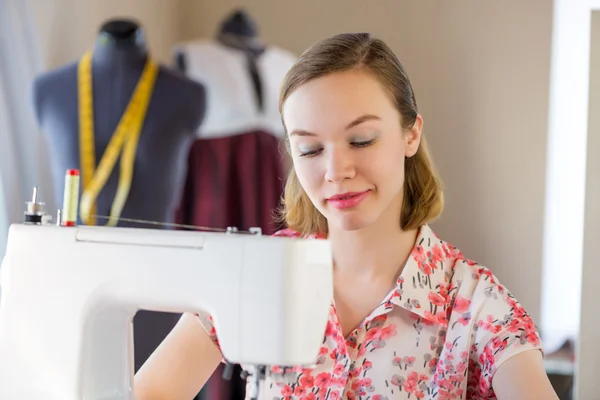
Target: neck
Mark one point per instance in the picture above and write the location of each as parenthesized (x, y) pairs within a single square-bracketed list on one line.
[(113, 50), (377, 251)]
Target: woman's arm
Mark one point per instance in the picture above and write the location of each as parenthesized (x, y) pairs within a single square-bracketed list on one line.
[(180, 366), (522, 377)]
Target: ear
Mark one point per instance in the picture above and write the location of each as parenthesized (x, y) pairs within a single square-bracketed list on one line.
[(413, 137)]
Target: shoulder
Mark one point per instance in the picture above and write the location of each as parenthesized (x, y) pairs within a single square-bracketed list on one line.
[(52, 84), (477, 286), (492, 306), (191, 90), (484, 310), (481, 313), (56, 77), (189, 95)]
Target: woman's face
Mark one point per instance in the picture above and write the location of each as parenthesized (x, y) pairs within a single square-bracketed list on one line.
[(348, 148)]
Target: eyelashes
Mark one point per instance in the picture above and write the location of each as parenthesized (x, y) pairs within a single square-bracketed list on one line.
[(353, 144)]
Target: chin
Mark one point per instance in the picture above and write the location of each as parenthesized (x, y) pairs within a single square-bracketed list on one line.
[(350, 222)]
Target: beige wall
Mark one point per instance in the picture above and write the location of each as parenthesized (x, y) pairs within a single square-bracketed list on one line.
[(481, 74), (67, 28)]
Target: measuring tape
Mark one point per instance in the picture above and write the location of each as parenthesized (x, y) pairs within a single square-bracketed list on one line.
[(124, 140)]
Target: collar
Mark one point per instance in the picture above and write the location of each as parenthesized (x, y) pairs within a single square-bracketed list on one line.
[(424, 286)]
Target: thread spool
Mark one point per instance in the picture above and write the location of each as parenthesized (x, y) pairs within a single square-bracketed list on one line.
[(70, 198)]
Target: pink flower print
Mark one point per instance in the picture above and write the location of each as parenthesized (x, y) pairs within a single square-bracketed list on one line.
[(362, 351), (487, 358), (307, 381), (388, 332), (354, 372), (277, 369), (418, 254), (323, 380), (409, 386), (287, 391), (377, 322), (309, 396), (372, 334), (445, 395), (361, 386), (436, 299), (397, 380), (334, 395), (331, 329), (533, 338), (437, 254), (464, 319), (426, 268), (487, 324), (299, 391), (488, 275), (498, 344), (338, 382), (461, 304), (440, 318), (413, 376), (323, 351)]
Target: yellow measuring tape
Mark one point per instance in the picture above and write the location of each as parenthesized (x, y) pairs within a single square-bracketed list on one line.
[(124, 140)]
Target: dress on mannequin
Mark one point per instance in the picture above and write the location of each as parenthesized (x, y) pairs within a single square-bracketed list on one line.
[(175, 111), (236, 171)]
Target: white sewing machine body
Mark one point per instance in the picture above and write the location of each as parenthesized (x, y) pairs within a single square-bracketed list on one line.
[(68, 296)]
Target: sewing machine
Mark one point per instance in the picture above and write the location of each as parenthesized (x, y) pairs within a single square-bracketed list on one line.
[(68, 296)]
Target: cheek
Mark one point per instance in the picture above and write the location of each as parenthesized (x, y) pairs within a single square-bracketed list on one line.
[(386, 169), (308, 175)]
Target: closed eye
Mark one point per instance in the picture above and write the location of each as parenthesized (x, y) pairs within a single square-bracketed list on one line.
[(353, 144), (363, 144)]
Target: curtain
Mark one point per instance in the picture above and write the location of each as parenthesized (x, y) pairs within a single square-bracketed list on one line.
[(23, 158)]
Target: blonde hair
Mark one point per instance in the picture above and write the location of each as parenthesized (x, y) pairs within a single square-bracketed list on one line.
[(423, 196)]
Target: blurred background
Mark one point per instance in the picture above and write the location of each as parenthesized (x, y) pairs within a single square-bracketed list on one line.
[(482, 77)]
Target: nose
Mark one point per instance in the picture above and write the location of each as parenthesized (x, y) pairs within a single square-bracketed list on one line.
[(340, 166)]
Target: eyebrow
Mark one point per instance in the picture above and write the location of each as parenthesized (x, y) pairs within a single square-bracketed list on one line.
[(355, 122)]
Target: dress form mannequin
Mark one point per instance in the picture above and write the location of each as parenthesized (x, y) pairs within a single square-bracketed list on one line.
[(242, 75), (175, 111)]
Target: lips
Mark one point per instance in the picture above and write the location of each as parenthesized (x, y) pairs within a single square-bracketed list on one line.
[(344, 196), (348, 200)]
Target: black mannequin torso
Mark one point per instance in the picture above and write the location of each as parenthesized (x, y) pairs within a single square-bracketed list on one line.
[(174, 114), (175, 111)]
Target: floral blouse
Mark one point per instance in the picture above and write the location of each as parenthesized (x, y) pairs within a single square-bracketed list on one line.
[(440, 334)]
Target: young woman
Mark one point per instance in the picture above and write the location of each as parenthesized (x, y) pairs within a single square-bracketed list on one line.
[(411, 318)]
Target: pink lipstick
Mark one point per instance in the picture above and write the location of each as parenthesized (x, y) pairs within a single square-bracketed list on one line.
[(348, 200)]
